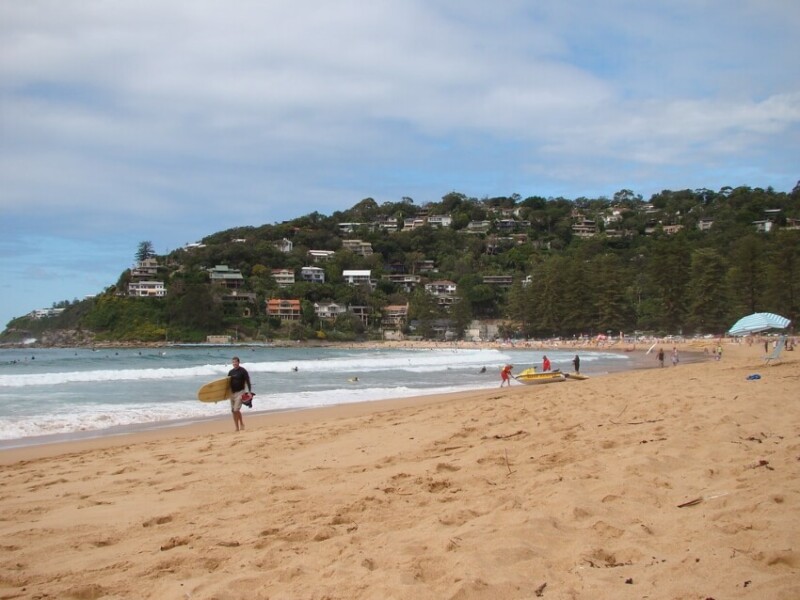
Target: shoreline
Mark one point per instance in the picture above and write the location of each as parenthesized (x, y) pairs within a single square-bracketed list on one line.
[(28, 446)]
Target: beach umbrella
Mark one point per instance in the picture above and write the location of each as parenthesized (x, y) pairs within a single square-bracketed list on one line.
[(758, 322)]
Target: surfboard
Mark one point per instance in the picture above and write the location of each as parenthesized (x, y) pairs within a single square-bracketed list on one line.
[(650, 349), (576, 376), (214, 391)]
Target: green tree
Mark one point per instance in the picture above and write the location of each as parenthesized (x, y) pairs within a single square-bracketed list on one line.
[(667, 281), (782, 294), (144, 251), (747, 274), (708, 292)]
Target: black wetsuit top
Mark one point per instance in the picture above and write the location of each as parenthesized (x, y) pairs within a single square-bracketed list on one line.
[(239, 378)]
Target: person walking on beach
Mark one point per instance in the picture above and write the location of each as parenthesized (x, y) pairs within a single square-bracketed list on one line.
[(675, 359), (240, 379), (660, 356), (505, 375), (576, 362), (545, 364)]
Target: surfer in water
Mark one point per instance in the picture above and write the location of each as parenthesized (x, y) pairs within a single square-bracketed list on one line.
[(240, 379)]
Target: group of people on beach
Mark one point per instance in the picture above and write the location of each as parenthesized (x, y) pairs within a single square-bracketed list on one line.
[(506, 375)]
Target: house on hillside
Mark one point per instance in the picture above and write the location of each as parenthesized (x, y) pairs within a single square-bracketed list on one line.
[(328, 310), (145, 269), (284, 245), (225, 276), (404, 280), (504, 281), (283, 277), (285, 309), (358, 247), (312, 274), (357, 276), (319, 256), (147, 289)]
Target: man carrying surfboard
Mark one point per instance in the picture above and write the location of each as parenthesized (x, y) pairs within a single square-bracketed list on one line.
[(240, 379)]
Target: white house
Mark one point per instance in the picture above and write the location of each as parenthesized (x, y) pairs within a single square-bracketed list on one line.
[(357, 276), (440, 220), (328, 310), (283, 277), (284, 245), (321, 255), (441, 288), (147, 289)]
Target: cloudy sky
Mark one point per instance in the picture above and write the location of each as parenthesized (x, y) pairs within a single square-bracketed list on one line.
[(123, 121)]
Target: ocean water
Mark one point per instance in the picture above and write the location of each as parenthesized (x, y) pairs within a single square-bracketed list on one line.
[(52, 394)]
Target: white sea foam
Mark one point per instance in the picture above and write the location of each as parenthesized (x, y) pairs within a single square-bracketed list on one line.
[(429, 361), (64, 392), (94, 417)]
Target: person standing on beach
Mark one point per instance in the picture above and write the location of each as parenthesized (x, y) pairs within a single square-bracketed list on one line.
[(545, 364), (576, 362), (505, 375), (240, 379), (660, 356), (675, 359)]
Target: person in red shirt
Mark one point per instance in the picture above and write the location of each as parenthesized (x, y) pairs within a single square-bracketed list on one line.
[(545, 364), (505, 375)]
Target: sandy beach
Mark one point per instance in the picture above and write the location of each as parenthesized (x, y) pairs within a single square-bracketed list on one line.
[(675, 483)]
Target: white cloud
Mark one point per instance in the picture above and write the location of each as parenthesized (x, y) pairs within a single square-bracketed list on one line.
[(160, 117)]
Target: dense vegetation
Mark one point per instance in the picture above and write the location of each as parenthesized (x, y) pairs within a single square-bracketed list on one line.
[(635, 273)]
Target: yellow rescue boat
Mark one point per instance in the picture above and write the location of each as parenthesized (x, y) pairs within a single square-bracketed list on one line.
[(530, 377)]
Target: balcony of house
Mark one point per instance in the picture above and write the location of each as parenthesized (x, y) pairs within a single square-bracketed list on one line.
[(705, 223), (357, 247), (147, 289), (240, 297), (506, 224), (763, 226), (793, 224), (284, 245), (312, 274), (319, 256), (503, 281), (390, 224), (425, 266), (413, 223), (357, 276), (440, 220), (394, 316), (584, 228), (478, 226), (145, 269), (284, 309), (672, 229), (225, 276), (345, 228), (441, 288), (328, 310), (404, 280), (283, 277)]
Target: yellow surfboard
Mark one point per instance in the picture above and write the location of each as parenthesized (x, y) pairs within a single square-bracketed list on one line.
[(214, 391)]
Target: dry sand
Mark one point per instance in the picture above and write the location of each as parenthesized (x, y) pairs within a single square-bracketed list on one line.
[(658, 483)]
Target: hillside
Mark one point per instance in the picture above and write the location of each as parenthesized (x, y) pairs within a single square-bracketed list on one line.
[(684, 262)]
